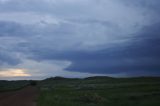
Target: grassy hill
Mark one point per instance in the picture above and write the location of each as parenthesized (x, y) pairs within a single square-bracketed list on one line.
[(100, 91)]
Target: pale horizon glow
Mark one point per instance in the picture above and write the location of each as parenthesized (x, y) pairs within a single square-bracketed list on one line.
[(14, 73)]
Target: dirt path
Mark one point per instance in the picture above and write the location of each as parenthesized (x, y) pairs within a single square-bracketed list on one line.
[(24, 97)]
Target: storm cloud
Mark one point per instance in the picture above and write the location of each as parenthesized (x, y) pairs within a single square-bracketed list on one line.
[(80, 38)]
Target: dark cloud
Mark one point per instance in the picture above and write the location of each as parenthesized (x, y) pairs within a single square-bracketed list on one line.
[(125, 38), (7, 58), (13, 29), (141, 56)]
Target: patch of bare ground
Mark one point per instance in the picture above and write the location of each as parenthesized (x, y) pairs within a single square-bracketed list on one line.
[(23, 97)]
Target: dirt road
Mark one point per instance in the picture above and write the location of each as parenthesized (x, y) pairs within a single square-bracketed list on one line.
[(24, 97)]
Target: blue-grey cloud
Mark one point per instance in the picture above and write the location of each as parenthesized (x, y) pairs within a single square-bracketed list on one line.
[(140, 56), (7, 58), (105, 37)]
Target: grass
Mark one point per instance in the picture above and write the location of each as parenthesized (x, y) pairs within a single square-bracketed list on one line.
[(93, 91), (12, 85), (100, 92)]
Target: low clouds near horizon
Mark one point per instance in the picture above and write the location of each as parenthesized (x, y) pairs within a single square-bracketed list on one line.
[(79, 38)]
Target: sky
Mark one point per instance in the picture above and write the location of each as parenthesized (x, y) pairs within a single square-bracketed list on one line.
[(79, 38)]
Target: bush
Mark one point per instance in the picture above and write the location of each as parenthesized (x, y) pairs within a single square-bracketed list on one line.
[(33, 83)]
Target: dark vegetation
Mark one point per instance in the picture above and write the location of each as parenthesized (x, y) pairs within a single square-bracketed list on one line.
[(33, 83), (100, 91), (93, 91), (12, 85)]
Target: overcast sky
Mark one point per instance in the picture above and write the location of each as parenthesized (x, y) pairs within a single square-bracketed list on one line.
[(79, 38)]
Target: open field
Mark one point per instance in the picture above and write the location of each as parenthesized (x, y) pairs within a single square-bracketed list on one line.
[(100, 92), (93, 91), (12, 85)]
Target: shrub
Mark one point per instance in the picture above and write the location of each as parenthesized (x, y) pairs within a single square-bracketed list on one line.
[(33, 83)]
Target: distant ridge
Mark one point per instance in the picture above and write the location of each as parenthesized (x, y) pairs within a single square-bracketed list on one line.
[(100, 77), (60, 78)]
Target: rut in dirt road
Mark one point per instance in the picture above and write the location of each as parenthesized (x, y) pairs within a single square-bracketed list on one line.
[(24, 97)]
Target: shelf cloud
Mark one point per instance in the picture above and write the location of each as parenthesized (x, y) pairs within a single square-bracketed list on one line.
[(79, 38)]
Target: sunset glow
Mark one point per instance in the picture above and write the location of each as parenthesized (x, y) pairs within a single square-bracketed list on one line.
[(14, 73)]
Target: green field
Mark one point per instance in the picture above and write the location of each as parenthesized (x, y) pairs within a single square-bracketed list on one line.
[(12, 85), (100, 91), (93, 91)]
